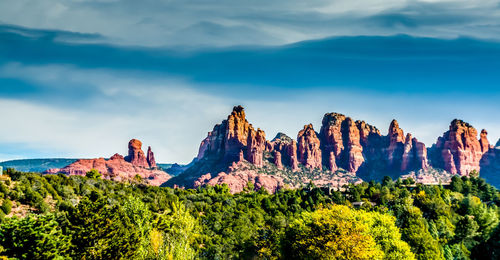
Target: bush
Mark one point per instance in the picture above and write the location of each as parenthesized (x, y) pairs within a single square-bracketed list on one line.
[(93, 174), (6, 206)]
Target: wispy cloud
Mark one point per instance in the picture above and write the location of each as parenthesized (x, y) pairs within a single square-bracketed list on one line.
[(230, 22), (75, 95), (174, 115)]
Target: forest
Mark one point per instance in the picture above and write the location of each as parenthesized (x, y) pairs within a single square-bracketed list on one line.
[(86, 217)]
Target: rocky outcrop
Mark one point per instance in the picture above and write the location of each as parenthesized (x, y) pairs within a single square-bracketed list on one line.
[(118, 168), (237, 178), (458, 150), (353, 149), (353, 146), (332, 165), (309, 151), (331, 134), (396, 146), (136, 155), (232, 136), (490, 165), (287, 149), (256, 146), (414, 155), (420, 154), (483, 141), (150, 158), (277, 160)]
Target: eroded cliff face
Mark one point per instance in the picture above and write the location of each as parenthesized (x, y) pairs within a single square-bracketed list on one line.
[(342, 144), (309, 151), (121, 168), (136, 155), (287, 149), (459, 150), (233, 136)]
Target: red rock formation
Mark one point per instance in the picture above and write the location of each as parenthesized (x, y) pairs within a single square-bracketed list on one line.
[(483, 141), (366, 131), (256, 146), (269, 146), (460, 150), (277, 160), (345, 139), (420, 154), (151, 158), (288, 150), (354, 148), (117, 157), (331, 134), (238, 177), (396, 144), (232, 136), (118, 168), (407, 153), (136, 155), (309, 148), (204, 147), (332, 165), (292, 153)]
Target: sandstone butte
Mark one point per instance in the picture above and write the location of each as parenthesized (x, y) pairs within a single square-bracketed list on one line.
[(121, 168), (342, 143)]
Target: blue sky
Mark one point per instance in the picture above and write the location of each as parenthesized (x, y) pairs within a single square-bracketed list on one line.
[(81, 78)]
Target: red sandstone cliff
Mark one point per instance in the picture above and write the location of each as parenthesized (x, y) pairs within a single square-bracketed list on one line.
[(459, 150), (309, 148), (119, 168), (342, 144)]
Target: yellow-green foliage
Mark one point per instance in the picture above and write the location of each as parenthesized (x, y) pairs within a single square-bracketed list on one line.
[(340, 232), (174, 234)]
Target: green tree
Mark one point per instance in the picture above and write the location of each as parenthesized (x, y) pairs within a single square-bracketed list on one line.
[(93, 174), (100, 231), (174, 234), (344, 233), (6, 206), (415, 231), (34, 237)]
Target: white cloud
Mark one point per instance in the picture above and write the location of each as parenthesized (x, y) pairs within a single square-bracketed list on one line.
[(166, 114), (174, 115)]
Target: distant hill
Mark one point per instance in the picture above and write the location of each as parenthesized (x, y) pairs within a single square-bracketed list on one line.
[(37, 165)]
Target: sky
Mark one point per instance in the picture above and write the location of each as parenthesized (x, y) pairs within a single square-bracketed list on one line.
[(80, 78)]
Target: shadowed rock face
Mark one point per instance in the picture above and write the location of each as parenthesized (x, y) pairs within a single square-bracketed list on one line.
[(119, 168)]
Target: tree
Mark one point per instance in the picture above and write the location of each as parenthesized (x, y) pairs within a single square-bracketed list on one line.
[(100, 231), (93, 174), (415, 231), (33, 237), (6, 206), (174, 233), (344, 233)]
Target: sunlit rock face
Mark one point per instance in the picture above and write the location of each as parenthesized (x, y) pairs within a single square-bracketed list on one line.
[(121, 168), (459, 150), (342, 145)]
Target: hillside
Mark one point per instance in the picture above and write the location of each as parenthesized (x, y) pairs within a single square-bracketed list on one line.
[(55, 217)]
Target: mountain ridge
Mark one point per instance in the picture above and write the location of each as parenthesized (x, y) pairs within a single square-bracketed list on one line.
[(343, 147)]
